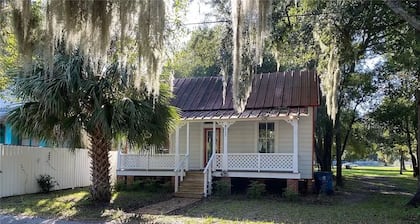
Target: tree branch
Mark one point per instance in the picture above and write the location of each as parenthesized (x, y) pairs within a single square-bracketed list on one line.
[(395, 6)]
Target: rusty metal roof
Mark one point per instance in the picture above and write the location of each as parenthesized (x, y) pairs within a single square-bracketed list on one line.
[(269, 90)]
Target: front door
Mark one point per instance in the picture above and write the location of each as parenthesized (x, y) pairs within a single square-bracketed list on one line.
[(208, 143)]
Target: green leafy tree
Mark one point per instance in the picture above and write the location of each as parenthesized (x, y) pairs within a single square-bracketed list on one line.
[(8, 47), (201, 55), (403, 52), (75, 100), (396, 114), (309, 33)]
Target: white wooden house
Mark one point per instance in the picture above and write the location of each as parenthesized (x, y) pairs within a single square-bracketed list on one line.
[(272, 138)]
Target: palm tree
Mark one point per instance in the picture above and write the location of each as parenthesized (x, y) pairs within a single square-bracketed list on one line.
[(60, 107)]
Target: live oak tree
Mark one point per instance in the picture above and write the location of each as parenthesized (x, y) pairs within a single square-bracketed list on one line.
[(396, 115)]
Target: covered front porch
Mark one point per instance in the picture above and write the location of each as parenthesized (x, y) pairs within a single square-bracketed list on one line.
[(238, 165), (222, 148)]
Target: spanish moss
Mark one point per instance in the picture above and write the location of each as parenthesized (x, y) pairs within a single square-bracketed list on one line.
[(250, 24), (329, 70), (99, 29)]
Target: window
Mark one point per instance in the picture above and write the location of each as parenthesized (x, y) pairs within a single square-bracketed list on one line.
[(266, 138)]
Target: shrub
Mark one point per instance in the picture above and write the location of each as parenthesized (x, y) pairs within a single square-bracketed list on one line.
[(120, 186), (46, 183), (166, 187), (151, 185), (256, 189), (290, 195), (222, 188)]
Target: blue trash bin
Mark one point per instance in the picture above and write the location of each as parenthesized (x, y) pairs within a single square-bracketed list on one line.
[(324, 182)]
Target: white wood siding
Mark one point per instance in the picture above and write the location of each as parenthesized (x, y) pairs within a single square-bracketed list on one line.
[(284, 141), (242, 137), (306, 145), (196, 144)]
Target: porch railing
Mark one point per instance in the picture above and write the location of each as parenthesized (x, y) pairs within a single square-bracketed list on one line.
[(147, 162), (256, 161), (208, 175), (180, 169)]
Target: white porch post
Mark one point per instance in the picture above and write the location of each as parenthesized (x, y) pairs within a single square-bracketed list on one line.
[(177, 145), (214, 139), (188, 146), (176, 155), (225, 144)]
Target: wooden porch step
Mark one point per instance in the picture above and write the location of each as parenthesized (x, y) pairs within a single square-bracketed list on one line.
[(192, 186), (188, 195)]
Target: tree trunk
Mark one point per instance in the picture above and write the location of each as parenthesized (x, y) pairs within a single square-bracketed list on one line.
[(338, 153), (416, 199), (324, 135), (401, 161), (328, 141), (99, 153), (410, 148)]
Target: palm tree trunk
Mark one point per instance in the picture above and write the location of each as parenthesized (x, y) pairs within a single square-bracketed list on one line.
[(99, 153)]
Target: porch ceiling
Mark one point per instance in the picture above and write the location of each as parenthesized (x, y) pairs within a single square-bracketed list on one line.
[(247, 114)]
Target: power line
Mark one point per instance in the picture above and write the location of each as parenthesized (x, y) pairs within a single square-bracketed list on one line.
[(206, 22), (283, 16)]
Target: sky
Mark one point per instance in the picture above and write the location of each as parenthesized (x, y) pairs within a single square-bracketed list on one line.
[(196, 13)]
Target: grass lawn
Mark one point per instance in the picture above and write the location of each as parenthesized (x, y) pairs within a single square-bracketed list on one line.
[(75, 205), (370, 195)]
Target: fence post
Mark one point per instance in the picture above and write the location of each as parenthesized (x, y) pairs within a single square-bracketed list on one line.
[(74, 167)]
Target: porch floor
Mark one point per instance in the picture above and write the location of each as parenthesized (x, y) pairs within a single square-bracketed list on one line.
[(230, 173)]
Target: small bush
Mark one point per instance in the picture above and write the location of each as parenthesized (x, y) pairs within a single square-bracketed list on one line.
[(137, 185), (256, 189), (151, 185), (222, 188), (120, 186), (166, 187), (46, 183), (290, 195)]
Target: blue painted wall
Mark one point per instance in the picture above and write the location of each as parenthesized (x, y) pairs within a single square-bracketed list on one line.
[(8, 135)]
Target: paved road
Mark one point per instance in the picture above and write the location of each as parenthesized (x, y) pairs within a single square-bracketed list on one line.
[(10, 219)]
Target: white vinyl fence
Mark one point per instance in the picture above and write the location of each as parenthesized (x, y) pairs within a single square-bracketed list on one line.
[(20, 166)]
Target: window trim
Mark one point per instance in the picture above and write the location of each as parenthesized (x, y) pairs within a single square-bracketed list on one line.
[(257, 135)]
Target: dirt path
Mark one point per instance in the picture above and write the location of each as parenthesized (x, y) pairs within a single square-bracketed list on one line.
[(166, 207), (380, 185)]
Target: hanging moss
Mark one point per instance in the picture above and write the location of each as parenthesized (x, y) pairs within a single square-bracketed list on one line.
[(250, 27), (329, 68), (102, 28), (92, 27)]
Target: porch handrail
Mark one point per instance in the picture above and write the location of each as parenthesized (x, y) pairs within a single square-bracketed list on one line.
[(208, 175), (179, 171), (181, 164)]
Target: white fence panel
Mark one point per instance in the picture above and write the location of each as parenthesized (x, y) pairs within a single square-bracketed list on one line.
[(20, 166)]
